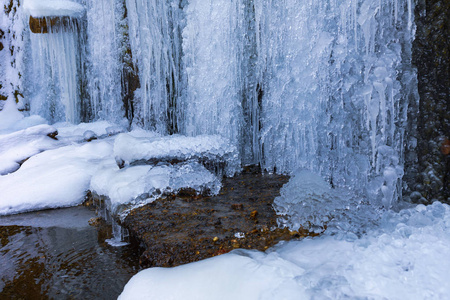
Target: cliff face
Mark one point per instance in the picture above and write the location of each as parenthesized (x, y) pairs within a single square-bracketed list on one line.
[(431, 57)]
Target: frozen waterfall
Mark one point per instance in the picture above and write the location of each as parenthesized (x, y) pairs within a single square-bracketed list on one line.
[(322, 85)]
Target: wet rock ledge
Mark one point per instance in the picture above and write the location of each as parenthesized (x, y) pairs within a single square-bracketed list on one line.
[(187, 228)]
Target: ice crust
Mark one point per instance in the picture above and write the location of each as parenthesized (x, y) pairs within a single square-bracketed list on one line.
[(86, 131), (50, 8), (212, 148), (139, 185), (405, 256)]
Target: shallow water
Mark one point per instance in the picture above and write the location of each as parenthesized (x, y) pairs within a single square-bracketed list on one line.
[(56, 254)]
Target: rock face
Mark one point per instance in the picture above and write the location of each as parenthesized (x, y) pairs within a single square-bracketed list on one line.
[(53, 24), (188, 228), (431, 57)]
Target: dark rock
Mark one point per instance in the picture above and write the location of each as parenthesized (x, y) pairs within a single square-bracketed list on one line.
[(53, 135), (431, 48)]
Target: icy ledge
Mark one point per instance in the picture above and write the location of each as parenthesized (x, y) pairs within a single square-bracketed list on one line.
[(53, 8), (136, 186), (210, 150)]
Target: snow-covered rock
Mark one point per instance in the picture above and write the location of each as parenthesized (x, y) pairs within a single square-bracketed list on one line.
[(52, 8), (208, 149), (139, 185), (54, 178), (17, 146), (404, 257)]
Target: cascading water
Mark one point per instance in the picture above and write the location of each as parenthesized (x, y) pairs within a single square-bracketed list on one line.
[(321, 85)]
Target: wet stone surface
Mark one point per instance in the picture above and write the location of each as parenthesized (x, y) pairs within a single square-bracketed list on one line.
[(187, 228)]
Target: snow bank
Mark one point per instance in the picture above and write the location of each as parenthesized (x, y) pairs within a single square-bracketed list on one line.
[(141, 184), (9, 115), (51, 8), (210, 148), (405, 257), (54, 178), (18, 146)]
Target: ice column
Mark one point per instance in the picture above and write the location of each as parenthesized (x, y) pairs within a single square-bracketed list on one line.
[(56, 71), (154, 38), (104, 36), (213, 49)]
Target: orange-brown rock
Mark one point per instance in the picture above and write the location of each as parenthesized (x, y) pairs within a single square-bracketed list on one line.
[(54, 24)]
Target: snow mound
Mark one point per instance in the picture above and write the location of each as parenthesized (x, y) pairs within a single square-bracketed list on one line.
[(139, 185), (54, 178), (52, 8), (404, 257), (208, 149), (17, 146), (86, 131)]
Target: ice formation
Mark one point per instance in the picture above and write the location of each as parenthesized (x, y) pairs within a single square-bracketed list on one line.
[(139, 185), (319, 85), (209, 149)]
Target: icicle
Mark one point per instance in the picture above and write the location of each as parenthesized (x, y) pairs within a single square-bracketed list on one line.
[(120, 235)]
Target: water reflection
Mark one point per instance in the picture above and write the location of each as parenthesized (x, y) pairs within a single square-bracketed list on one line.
[(56, 254)]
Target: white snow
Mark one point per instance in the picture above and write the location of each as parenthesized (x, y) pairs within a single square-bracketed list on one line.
[(128, 149), (142, 184), (9, 115), (84, 131), (18, 146), (404, 257), (54, 178), (49, 8)]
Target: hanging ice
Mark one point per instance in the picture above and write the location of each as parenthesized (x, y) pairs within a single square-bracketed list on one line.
[(56, 58), (212, 57)]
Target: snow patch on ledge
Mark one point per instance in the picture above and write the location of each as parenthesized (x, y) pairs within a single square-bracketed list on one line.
[(54, 178), (212, 148), (53, 8)]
